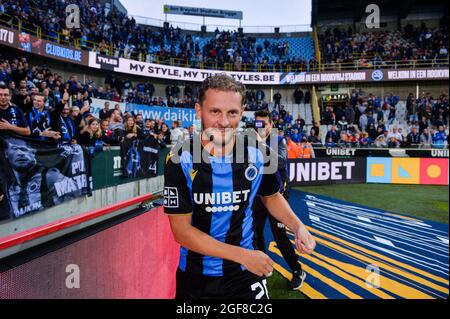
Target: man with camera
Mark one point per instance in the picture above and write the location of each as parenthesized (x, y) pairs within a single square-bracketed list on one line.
[(263, 126)]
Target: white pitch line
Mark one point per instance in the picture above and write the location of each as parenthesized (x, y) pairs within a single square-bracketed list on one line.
[(373, 213), (395, 223), (370, 230), (442, 270), (443, 239), (364, 219), (384, 241), (360, 210), (409, 237), (422, 263)]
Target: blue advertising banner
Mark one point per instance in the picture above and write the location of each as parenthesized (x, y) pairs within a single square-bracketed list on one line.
[(169, 114)]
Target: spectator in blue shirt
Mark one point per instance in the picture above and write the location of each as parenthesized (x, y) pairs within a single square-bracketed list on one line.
[(296, 137), (333, 134), (288, 118), (439, 138), (274, 113), (370, 119), (330, 143)]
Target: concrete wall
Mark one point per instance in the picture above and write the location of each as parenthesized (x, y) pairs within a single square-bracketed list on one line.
[(100, 198)]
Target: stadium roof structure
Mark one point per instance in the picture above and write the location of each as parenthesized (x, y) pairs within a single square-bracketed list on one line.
[(354, 11)]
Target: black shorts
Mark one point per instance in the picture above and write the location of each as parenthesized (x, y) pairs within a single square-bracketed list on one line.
[(244, 285)]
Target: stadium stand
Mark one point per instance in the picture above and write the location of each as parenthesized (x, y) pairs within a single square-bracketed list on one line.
[(224, 50), (414, 45), (372, 115), (369, 116), (16, 74)]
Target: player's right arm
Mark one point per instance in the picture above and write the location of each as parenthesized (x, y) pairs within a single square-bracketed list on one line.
[(178, 205)]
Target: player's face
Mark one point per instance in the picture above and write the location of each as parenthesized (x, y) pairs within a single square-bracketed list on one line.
[(4, 98), (220, 114), (21, 157)]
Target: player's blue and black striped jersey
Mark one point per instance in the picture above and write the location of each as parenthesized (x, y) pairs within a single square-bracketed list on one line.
[(219, 192)]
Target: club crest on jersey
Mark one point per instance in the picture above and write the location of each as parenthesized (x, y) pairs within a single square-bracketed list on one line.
[(251, 172)]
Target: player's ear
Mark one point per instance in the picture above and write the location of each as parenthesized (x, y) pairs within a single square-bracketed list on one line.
[(198, 111)]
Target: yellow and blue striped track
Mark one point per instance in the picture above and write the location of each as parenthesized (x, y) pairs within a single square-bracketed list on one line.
[(365, 253)]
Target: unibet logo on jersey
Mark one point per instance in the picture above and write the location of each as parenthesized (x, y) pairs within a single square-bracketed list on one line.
[(226, 200)]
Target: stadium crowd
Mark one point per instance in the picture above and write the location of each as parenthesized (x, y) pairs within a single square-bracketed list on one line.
[(40, 100), (107, 30), (35, 102), (385, 48), (370, 121)]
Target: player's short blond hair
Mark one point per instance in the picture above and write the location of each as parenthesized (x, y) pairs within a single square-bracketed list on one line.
[(221, 82)]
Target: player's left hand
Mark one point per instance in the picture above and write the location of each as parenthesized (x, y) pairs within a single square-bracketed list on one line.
[(304, 241)]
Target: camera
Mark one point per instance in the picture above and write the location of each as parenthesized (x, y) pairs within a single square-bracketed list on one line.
[(260, 124), (255, 124)]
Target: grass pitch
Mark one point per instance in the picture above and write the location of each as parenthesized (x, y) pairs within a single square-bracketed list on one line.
[(421, 201)]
